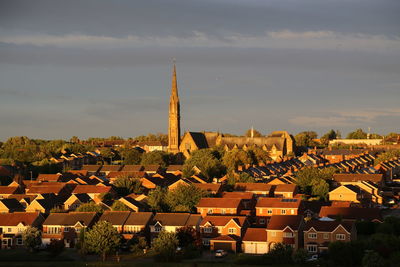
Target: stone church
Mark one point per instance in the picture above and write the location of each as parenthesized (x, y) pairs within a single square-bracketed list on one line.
[(277, 144)]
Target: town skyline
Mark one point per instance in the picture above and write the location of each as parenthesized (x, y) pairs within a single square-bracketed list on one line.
[(272, 65)]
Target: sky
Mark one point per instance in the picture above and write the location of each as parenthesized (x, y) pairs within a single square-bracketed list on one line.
[(98, 68)]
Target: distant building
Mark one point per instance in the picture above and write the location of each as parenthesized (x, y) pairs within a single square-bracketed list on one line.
[(368, 142)]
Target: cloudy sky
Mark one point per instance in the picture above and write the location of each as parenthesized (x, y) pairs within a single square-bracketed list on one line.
[(101, 68)]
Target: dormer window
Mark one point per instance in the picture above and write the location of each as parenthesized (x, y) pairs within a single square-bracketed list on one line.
[(312, 235), (208, 229), (157, 228)]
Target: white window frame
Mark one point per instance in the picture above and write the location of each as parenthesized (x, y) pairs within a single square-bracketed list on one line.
[(312, 248), (312, 235), (283, 212), (208, 230), (262, 221), (20, 242), (326, 236), (210, 211), (206, 242), (232, 230), (340, 237), (269, 211), (288, 234), (157, 228)]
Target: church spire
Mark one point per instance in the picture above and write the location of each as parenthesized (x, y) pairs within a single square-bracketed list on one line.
[(174, 127)]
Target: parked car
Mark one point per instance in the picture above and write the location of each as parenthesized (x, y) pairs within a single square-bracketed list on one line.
[(313, 258), (220, 253)]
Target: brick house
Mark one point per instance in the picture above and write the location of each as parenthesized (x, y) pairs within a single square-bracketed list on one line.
[(137, 224), (267, 207), (13, 224), (318, 234), (223, 232), (170, 222), (67, 226), (287, 229), (255, 241), (231, 206)]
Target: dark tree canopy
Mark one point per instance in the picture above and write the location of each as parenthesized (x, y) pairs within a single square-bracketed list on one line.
[(155, 158)]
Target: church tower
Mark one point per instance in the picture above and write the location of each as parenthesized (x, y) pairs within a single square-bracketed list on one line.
[(174, 126)]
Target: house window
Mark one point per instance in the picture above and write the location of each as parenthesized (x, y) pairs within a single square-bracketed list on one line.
[(312, 248), (269, 211), (232, 230), (9, 230), (292, 211), (66, 229), (312, 235), (19, 241), (223, 211), (210, 211), (262, 221), (207, 229), (219, 229), (283, 211), (326, 236), (206, 242), (340, 237), (157, 228), (5, 241), (273, 233), (288, 234), (53, 230), (78, 229)]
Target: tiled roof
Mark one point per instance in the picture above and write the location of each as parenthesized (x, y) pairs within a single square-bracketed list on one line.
[(208, 187), (240, 195), (115, 217), (354, 213), (327, 226), (13, 219), (132, 174), (223, 220), (172, 168), (255, 235), (71, 218), (171, 219), (252, 187), (285, 188), (49, 177), (270, 202), (138, 218), (219, 203), (132, 168), (8, 189), (351, 177), (111, 168), (12, 204), (280, 222), (91, 189), (91, 168)]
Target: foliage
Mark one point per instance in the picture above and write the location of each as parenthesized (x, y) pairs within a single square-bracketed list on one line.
[(242, 177), (184, 198), (259, 156), (119, 206), (207, 161), (236, 157), (389, 155), (346, 253), (188, 236), (330, 135), (320, 188), (55, 247), (32, 238), (165, 246), (137, 244), (155, 158), (152, 137), (309, 180), (300, 256), (125, 186), (131, 156), (102, 239), (357, 134), (106, 196), (281, 253), (157, 200), (305, 139), (255, 133), (372, 259), (57, 210), (90, 207)]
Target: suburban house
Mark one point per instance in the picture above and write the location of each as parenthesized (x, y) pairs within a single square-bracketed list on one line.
[(259, 189), (285, 190), (10, 205), (75, 200), (170, 222), (67, 226), (287, 229), (267, 207), (137, 224), (318, 234), (223, 232), (231, 206), (12, 225), (94, 191), (351, 213), (116, 218), (255, 241)]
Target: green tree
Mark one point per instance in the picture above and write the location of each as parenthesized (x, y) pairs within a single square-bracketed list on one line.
[(320, 188), (235, 158), (208, 163), (102, 239), (184, 198), (165, 246), (281, 253), (330, 135), (373, 259), (90, 207), (119, 206), (300, 256), (389, 155), (242, 177), (125, 186), (308, 177), (138, 244), (259, 155), (306, 139), (187, 236), (32, 238), (157, 200), (155, 158), (131, 156), (55, 247), (357, 134)]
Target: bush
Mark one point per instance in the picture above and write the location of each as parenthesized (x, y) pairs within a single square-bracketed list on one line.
[(55, 247)]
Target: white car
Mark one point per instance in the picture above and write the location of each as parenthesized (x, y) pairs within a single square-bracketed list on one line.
[(313, 257), (220, 253)]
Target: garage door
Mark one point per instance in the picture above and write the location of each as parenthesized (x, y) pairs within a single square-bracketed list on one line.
[(222, 245), (262, 248), (250, 248)]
